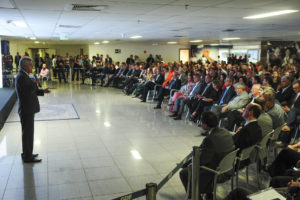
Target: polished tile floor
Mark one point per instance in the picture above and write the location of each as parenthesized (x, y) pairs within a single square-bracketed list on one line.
[(116, 147)]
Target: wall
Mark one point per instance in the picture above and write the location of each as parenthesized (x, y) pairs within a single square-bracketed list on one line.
[(169, 53), (20, 47)]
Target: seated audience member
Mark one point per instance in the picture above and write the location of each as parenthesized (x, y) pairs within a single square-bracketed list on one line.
[(274, 110), (183, 75), (185, 90), (250, 133), (293, 109), (239, 101), (120, 76), (168, 76), (180, 102), (132, 79), (235, 116), (158, 80), (264, 120), (113, 73), (214, 147), (208, 100), (87, 73), (284, 91), (228, 93), (147, 76), (165, 90), (205, 90), (286, 160), (44, 73), (267, 81)]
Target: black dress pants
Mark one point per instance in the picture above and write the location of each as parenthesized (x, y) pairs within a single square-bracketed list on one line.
[(234, 117), (162, 92), (148, 86), (285, 160), (27, 123)]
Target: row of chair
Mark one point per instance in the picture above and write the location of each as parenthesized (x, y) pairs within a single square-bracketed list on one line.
[(231, 163)]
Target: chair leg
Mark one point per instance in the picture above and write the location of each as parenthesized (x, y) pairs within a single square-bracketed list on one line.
[(247, 177), (215, 188), (257, 172), (296, 134)]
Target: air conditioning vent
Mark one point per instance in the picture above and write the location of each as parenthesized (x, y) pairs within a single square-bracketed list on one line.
[(7, 4), (178, 36), (83, 7), (68, 26), (229, 30)]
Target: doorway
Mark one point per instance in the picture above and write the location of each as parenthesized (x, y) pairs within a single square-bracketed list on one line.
[(184, 55)]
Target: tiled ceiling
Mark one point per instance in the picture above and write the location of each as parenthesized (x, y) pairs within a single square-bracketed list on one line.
[(155, 20)]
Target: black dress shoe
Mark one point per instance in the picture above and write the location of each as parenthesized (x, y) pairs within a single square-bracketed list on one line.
[(157, 107), (32, 160), (33, 155), (143, 101), (177, 118), (173, 115)]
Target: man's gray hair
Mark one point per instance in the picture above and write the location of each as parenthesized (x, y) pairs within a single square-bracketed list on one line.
[(24, 61), (286, 78), (270, 93), (240, 86)]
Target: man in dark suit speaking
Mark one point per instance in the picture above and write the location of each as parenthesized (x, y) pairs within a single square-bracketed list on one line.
[(28, 105)]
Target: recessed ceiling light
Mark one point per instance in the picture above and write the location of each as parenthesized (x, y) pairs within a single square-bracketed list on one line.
[(196, 40), (172, 42), (33, 38), (271, 14), (233, 38), (36, 42), (96, 43), (136, 36), (214, 44), (20, 24), (105, 42)]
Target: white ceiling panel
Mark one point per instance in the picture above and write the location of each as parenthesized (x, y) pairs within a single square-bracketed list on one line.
[(157, 20)]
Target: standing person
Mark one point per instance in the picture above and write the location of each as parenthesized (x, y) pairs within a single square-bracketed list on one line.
[(28, 105), (17, 60)]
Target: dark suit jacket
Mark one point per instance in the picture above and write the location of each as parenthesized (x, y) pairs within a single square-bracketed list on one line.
[(249, 135), (295, 104), (286, 95), (27, 92), (211, 93), (160, 79), (125, 72), (229, 95), (213, 148), (176, 85)]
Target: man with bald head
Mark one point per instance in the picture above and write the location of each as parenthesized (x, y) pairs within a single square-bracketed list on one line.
[(250, 133)]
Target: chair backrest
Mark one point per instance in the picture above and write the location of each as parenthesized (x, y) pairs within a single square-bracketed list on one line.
[(228, 162), (245, 153), (265, 139), (277, 132)]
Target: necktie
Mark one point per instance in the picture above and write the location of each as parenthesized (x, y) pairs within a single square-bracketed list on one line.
[(172, 83), (205, 90), (221, 101), (156, 77), (192, 92), (295, 99)]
